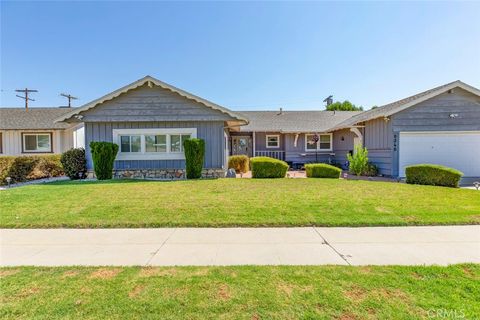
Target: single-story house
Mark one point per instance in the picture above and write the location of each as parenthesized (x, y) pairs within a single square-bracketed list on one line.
[(149, 119), (34, 131)]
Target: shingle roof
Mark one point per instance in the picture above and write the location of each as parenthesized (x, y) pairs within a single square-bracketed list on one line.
[(34, 118), (397, 106), (294, 121)]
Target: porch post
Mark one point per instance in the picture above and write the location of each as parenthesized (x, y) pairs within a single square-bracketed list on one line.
[(253, 147)]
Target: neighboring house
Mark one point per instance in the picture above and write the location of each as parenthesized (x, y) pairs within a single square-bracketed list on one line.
[(34, 131), (149, 120)]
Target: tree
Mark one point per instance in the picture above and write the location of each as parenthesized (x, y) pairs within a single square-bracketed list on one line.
[(343, 106)]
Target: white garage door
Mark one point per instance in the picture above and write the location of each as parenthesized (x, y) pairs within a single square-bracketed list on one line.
[(459, 150)]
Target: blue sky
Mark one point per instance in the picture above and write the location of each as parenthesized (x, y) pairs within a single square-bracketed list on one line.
[(245, 56)]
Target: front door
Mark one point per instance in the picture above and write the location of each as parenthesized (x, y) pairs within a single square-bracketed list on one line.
[(242, 145)]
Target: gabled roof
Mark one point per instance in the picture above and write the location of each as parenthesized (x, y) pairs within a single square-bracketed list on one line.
[(294, 121), (34, 118), (400, 105), (151, 81)]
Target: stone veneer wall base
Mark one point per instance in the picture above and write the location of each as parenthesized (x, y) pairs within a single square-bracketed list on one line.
[(160, 174)]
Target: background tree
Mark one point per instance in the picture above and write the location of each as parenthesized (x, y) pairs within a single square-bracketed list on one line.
[(344, 106)]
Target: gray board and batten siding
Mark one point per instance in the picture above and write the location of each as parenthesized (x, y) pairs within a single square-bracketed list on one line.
[(382, 137), (434, 115), (156, 107)]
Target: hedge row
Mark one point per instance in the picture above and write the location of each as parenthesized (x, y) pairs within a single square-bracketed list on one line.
[(434, 175), (26, 168), (322, 170), (265, 167)]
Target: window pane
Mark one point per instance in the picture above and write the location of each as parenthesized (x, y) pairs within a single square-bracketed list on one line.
[(324, 142), (125, 144), (43, 142), (311, 145), (30, 142), (175, 143), (156, 143), (184, 137), (135, 143)]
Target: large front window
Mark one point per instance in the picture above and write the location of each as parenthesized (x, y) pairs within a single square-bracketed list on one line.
[(37, 142), (152, 144), (318, 142)]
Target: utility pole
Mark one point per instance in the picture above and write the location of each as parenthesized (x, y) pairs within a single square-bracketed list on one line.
[(26, 91), (69, 97)]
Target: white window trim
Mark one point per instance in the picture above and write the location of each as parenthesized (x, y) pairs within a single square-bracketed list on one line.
[(49, 134), (143, 155), (318, 142), (272, 136)]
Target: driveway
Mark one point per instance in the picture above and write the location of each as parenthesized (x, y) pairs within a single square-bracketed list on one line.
[(441, 245)]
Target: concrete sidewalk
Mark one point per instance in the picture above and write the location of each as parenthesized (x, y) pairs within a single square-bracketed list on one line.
[(239, 246)]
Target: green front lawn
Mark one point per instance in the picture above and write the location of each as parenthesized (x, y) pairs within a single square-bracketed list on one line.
[(235, 202), (323, 292)]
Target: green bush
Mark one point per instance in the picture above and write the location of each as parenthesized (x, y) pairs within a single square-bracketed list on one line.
[(240, 163), (103, 156), (434, 175), (265, 167), (359, 160), (21, 168), (371, 170), (46, 167), (75, 163), (25, 168), (194, 155), (322, 170)]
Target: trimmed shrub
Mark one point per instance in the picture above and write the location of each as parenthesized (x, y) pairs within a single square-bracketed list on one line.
[(74, 163), (359, 160), (46, 167), (265, 167), (194, 155), (25, 168), (21, 168), (322, 170), (103, 156), (434, 175), (240, 163)]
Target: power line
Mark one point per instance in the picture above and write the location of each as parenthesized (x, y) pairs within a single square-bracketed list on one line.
[(26, 91)]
